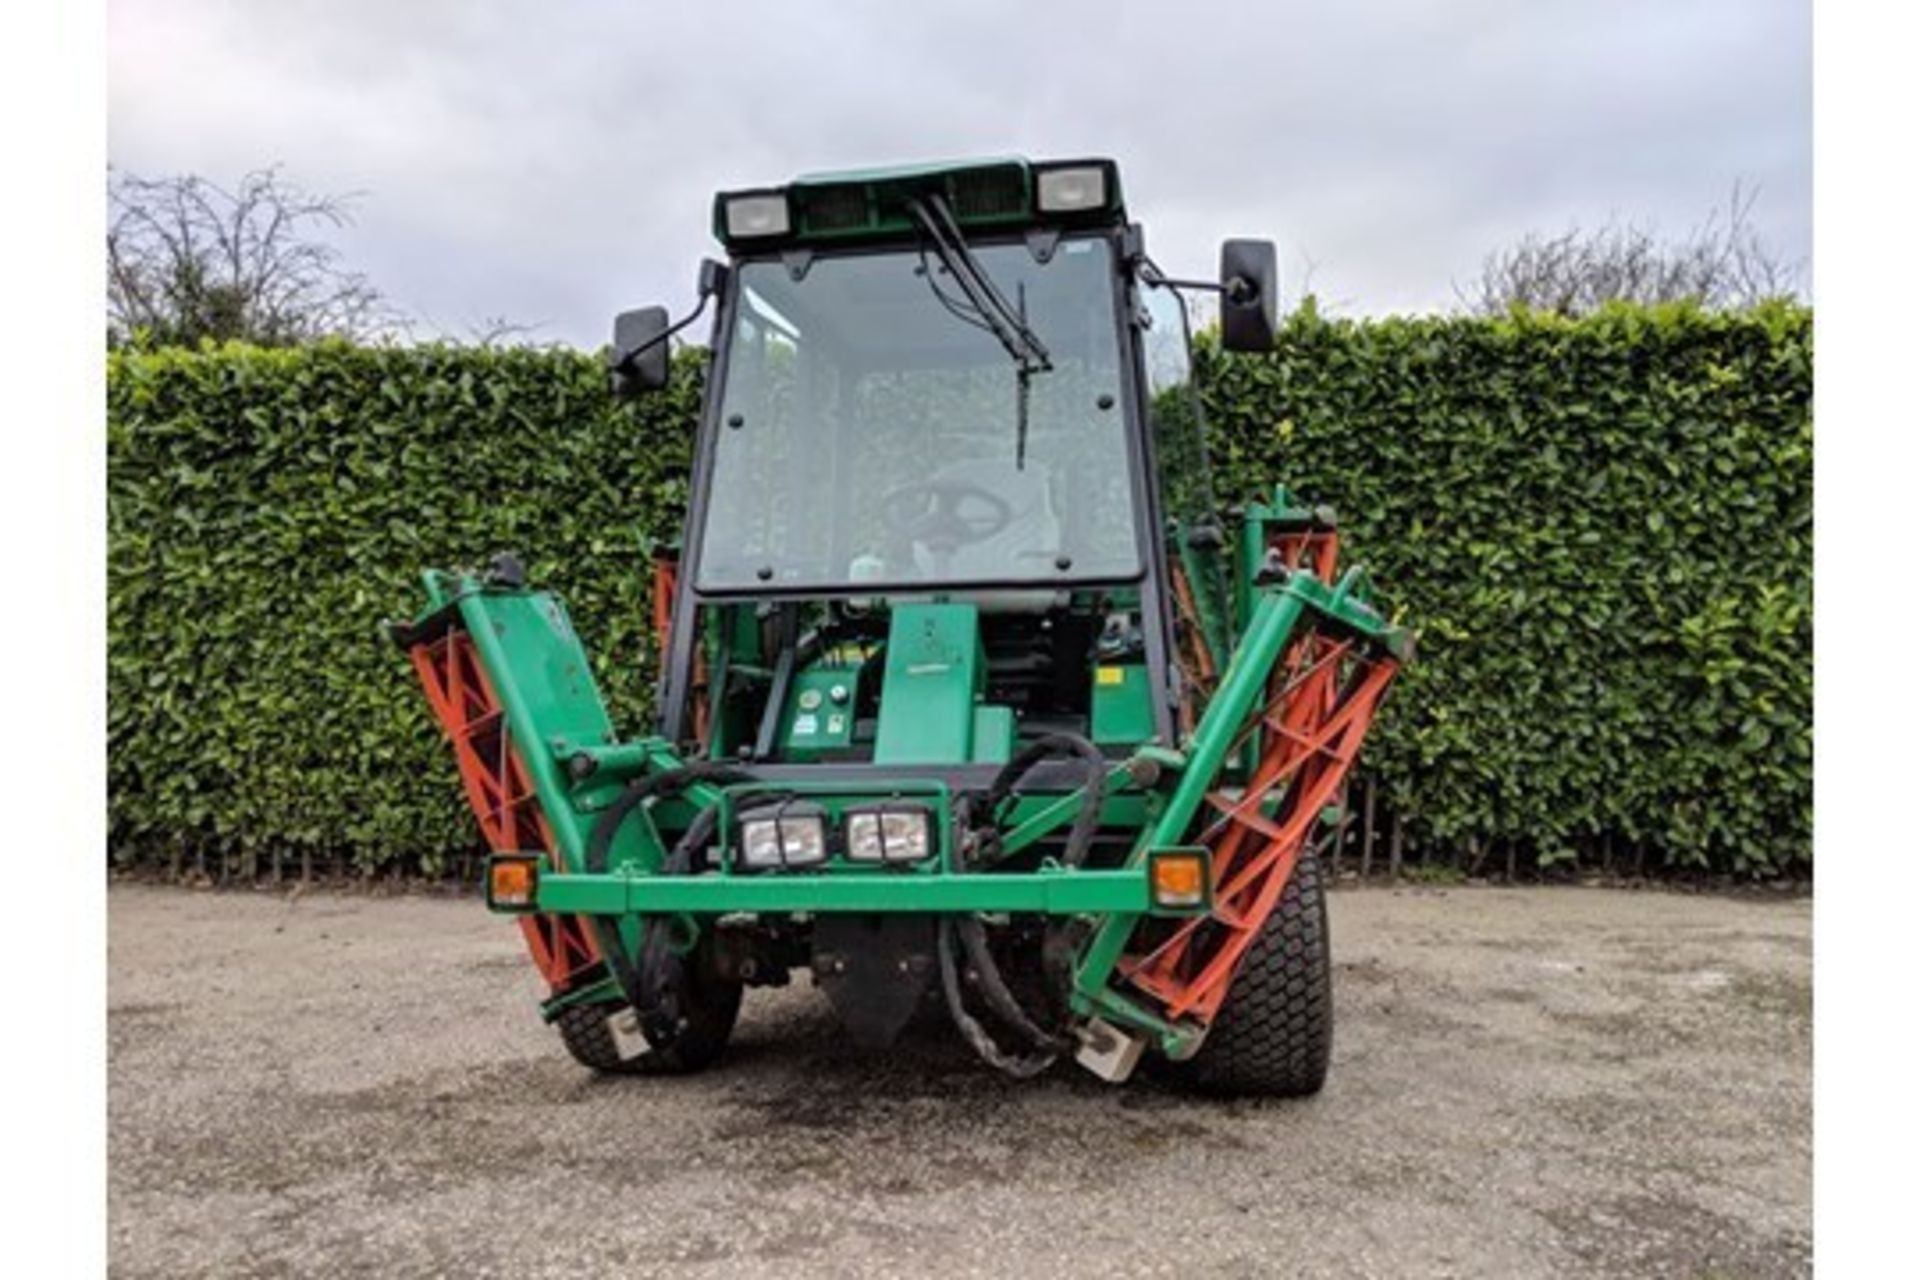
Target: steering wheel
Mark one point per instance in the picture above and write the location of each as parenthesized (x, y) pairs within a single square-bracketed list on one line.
[(945, 514)]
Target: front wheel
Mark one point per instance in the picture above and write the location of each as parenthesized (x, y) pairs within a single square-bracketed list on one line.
[(1274, 1035), (709, 1003)]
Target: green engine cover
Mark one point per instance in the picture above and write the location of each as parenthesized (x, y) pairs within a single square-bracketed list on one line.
[(1122, 704), (934, 674)]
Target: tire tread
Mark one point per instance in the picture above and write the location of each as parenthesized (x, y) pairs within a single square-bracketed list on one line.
[(1274, 1035)]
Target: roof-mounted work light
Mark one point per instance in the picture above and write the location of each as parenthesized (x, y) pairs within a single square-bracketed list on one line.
[(754, 215), (1077, 188)]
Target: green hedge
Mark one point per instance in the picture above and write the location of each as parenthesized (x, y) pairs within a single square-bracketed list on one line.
[(267, 509), (1601, 527)]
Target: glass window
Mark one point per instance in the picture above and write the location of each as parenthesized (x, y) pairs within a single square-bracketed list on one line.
[(1173, 406), (869, 428)]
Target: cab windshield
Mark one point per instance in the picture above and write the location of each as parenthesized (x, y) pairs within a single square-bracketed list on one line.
[(870, 429)]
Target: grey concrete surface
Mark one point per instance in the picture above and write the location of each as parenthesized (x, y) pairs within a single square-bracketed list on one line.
[(1525, 1082)]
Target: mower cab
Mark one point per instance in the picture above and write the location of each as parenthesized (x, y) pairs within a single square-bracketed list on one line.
[(966, 692)]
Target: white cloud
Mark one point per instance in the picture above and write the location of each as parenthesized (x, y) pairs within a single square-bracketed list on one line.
[(554, 162)]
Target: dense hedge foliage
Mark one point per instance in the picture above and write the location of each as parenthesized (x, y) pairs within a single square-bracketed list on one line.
[(267, 509), (1603, 530), (1601, 527)]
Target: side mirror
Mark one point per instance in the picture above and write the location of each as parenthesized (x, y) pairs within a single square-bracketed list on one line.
[(639, 357), (639, 360), (1249, 295)]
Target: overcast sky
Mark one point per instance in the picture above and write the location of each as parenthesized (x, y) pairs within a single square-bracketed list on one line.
[(553, 162)]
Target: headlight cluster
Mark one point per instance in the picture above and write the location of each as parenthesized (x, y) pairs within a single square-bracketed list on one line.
[(888, 835), (797, 834)]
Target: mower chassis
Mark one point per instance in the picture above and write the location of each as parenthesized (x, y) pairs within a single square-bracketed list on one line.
[(511, 685)]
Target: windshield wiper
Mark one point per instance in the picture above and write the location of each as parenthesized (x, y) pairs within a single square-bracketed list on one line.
[(985, 306)]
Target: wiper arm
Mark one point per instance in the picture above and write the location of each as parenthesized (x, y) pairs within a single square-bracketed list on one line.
[(1006, 323), (1000, 318)]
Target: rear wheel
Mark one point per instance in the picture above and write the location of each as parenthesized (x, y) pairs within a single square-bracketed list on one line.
[(709, 1003), (1274, 1034)]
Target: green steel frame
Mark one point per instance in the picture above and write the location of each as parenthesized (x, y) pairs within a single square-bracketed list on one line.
[(540, 675)]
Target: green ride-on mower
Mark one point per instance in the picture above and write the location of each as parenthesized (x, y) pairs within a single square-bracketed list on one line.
[(968, 696)]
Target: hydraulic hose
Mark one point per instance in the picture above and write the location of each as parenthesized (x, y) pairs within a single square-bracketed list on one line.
[(1018, 1066), (652, 984), (1086, 822), (661, 967), (971, 934), (999, 997)]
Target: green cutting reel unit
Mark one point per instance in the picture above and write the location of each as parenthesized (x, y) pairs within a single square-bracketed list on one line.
[(968, 696)]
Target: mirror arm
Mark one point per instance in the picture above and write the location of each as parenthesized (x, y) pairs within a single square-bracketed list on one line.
[(1155, 276), (1211, 286), (627, 360)]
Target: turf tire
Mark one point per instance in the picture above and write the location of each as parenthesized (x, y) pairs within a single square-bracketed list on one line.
[(712, 1006), (1274, 1036)]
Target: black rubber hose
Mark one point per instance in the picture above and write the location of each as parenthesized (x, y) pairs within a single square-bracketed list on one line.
[(607, 825), (700, 831), (661, 967), (1086, 823), (1019, 1066), (653, 997), (972, 934), (999, 997)]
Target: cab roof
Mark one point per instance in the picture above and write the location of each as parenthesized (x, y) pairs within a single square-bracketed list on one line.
[(1003, 192)]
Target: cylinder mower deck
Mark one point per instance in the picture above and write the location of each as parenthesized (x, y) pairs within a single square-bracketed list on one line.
[(1212, 833)]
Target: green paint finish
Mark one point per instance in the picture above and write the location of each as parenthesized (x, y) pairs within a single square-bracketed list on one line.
[(554, 712), (1049, 891), (605, 991), (933, 677), (985, 194), (540, 673), (1241, 686), (1277, 611), (1034, 818), (1348, 604), (903, 172), (819, 716), (1129, 809), (1257, 521), (993, 734), (1213, 600), (1122, 704)]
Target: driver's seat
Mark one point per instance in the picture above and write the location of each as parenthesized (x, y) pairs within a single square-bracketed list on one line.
[(1026, 545)]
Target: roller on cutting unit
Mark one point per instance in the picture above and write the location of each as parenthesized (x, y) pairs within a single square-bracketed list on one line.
[(969, 693)]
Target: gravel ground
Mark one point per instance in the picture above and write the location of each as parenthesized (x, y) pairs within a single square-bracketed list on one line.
[(1525, 1082)]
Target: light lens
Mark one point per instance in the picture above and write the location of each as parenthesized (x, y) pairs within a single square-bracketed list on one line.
[(889, 835), (1072, 190), (760, 843), (512, 883), (1179, 879), (752, 216), (791, 839)]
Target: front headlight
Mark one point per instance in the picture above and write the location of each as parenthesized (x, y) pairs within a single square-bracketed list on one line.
[(793, 836), (895, 833)]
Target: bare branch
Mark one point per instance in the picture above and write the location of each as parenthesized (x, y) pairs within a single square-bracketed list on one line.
[(189, 260), (1722, 263), (499, 331)]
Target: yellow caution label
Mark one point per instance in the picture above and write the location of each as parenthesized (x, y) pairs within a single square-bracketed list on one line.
[(1110, 675)]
